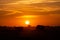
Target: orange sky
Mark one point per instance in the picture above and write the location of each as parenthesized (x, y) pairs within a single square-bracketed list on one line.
[(43, 12), (41, 19)]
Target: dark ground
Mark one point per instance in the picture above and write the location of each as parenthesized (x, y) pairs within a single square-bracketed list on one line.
[(33, 33)]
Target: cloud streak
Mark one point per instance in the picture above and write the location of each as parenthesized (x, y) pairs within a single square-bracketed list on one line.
[(42, 11), (11, 8)]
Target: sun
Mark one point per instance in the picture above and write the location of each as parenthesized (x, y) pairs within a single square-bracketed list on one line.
[(27, 22)]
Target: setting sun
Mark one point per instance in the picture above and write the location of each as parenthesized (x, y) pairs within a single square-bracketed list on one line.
[(27, 22)]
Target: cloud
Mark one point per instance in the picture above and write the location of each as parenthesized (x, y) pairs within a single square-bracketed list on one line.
[(21, 1), (8, 1), (53, 0), (3, 12), (8, 12), (14, 13), (25, 1), (53, 4), (30, 9)]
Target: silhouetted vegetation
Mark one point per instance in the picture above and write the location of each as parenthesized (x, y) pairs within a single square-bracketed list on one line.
[(39, 32), (40, 27)]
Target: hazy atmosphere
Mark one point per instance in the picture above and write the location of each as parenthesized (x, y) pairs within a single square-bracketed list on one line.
[(42, 12)]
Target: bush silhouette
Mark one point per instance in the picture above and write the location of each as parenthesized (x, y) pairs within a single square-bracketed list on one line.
[(40, 27)]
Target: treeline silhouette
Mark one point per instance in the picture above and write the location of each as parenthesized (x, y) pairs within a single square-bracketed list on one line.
[(39, 32)]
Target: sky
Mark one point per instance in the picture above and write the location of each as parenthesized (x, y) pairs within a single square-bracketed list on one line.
[(42, 12)]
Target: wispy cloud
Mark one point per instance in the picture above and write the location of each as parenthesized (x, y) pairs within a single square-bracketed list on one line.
[(46, 11), (8, 12), (13, 8)]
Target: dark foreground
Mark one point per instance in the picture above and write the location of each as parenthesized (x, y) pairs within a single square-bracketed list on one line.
[(30, 33)]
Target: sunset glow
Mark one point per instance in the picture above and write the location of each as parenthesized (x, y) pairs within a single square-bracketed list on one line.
[(27, 22), (25, 12), (28, 16)]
